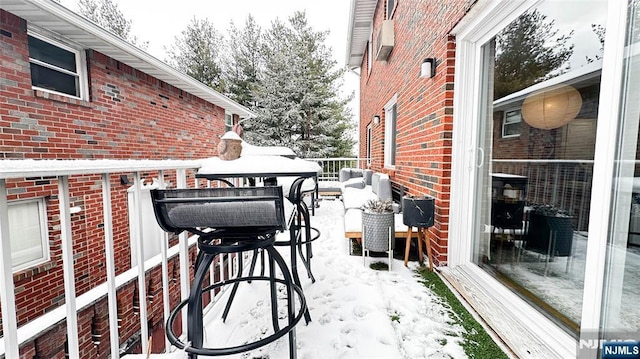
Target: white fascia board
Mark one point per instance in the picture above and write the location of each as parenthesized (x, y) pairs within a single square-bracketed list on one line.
[(53, 16)]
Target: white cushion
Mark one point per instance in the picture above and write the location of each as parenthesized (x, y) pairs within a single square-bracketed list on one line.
[(357, 182), (355, 198)]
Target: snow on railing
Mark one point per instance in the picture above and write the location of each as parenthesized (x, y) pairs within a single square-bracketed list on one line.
[(14, 173)]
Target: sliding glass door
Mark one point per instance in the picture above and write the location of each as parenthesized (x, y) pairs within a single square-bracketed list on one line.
[(620, 310), (546, 170), (539, 99)]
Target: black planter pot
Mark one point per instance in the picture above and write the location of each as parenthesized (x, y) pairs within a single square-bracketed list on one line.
[(543, 227), (418, 211)]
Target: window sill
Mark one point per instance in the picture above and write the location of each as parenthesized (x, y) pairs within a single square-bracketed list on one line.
[(33, 271), (60, 98)]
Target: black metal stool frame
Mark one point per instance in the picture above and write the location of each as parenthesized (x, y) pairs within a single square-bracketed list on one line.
[(303, 220), (194, 302), (295, 242), (179, 210), (295, 196)]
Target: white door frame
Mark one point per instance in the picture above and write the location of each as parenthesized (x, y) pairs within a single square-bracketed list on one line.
[(485, 19)]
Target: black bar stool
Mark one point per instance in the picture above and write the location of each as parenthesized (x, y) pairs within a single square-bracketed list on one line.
[(229, 220), (304, 233), (301, 235)]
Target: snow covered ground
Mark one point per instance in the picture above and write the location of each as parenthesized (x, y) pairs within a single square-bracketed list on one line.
[(560, 283), (356, 312)]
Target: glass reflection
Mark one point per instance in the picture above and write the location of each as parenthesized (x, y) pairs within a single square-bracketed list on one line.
[(621, 314), (542, 86)]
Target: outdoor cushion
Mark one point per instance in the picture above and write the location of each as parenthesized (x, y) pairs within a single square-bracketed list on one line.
[(224, 214), (367, 174), (344, 174), (383, 189), (381, 185), (355, 197), (375, 178), (354, 183), (347, 173)]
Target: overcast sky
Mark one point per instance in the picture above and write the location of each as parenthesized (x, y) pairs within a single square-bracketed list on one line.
[(160, 21), (583, 14)]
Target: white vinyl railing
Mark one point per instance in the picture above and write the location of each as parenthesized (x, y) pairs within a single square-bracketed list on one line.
[(331, 166), (16, 171), (550, 182), (65, 173)]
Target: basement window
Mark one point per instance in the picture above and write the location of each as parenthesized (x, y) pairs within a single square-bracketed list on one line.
[(28, 233), (56, 67)]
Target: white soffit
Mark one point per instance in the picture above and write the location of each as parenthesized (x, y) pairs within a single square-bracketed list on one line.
[(360, 23), (54, 17)]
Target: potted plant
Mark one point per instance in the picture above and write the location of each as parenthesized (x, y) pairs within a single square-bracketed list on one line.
[(548, 222), (377, 223)]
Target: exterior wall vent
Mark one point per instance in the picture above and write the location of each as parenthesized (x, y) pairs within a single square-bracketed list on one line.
[(384, 40)]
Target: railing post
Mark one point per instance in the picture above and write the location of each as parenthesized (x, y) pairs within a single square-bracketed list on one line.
[(67, 267), (142, 283), (181, 182), (111, 272), (164, 239), (7, 292)]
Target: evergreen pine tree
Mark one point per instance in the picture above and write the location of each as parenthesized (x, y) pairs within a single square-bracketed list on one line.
[(196, 53), (107, 14), (242, 62), (298, 96)]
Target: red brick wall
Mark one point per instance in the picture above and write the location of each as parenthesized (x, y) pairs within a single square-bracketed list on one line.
[(424, 105), (129, 115)]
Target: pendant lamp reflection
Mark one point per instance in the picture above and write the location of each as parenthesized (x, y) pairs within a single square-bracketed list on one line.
[(551, 108)]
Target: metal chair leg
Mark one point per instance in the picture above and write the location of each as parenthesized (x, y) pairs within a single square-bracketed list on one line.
[(274, 294), (194, 306), (233, 293)]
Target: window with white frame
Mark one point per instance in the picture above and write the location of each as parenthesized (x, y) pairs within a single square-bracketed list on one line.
[(511, 122), (56, 67), (369, 144), (28, 233), (391, 8), (390, 131), (228, 121)]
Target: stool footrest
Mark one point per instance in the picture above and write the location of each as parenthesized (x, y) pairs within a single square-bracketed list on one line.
[(174, 340)]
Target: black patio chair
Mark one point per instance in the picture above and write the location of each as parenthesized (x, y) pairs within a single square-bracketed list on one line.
[(228, 220)]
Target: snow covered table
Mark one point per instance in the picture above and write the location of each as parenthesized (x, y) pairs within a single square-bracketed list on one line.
[(273, 166)]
